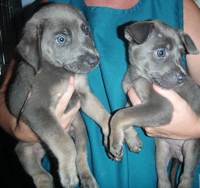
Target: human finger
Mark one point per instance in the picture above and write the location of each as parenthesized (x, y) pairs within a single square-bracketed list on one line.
[(135, 100), (64, 100), (68, 117)]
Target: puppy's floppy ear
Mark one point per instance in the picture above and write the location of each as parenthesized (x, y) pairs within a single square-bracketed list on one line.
[(29, 45), (188, 43), (138, 32)]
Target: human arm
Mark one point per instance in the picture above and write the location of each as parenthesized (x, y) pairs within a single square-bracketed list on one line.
[(184, 124), (21, 131), (191, 26)]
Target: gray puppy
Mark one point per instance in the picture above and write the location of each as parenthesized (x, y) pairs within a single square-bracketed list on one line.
[(155, 51), (56, 44)]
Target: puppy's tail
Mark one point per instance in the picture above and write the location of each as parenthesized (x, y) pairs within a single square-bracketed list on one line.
[(174, 175)]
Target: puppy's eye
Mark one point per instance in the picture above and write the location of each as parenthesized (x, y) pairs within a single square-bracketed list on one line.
[(63, 39), (85, 29), (60, 39), (160, 53)]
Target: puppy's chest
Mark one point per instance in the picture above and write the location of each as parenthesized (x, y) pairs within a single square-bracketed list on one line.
[(58, 90), (49, 87)]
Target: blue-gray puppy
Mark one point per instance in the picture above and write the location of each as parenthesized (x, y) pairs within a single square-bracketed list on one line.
[(155, 52), (56, 44)]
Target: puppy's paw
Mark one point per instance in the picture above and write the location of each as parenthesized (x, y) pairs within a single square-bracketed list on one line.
[(116, 144), (69, 180), (116, 152), (88, 182), (43, 180), (134, 144), (185, 183)]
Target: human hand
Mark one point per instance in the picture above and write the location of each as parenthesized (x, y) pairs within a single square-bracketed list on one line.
[(65, 119), (185, 124), (20, 130), (7, 121)]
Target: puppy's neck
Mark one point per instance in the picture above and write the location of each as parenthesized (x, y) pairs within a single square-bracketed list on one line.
[(139, 72)]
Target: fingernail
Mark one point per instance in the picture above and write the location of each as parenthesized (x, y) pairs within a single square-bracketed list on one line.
[(156, 87), (71, 80), (147, 129), (79, 104), (148, 134)]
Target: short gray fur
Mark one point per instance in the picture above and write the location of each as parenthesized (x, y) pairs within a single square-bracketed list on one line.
[(155, 51), (41, 78)]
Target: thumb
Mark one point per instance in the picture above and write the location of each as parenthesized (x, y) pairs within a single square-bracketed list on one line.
[(171, 95), (135, 100)]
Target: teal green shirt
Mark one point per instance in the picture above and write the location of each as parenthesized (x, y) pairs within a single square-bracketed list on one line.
[(135, 170)]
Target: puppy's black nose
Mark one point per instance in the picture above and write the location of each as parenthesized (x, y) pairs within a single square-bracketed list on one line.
[(180, 77), (93, 60)]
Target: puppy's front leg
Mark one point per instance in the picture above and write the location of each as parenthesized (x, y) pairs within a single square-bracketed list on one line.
[(155, 110), (45, 125), (79, 134), (91, 106)]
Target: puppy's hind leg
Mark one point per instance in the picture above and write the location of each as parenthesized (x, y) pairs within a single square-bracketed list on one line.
[(30, 156), (163, 157), (190, 158), (79, 134), (62, 146)]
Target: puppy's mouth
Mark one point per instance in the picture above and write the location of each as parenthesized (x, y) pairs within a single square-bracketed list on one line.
[(83, 65), (169, 80)]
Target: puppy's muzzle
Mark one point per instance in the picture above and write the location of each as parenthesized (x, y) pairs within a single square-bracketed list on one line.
[(91, 61), (84, 64), (170, 80)]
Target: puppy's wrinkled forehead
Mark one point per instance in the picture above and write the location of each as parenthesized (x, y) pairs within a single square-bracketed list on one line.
[(59, 12), (164, 36)]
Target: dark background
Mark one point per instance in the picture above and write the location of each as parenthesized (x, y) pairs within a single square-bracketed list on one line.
[(12, 18), (12, 174)]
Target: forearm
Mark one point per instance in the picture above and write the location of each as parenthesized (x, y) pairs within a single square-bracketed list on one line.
[(6, 120), (196, 130), (192, 27), (185, 124), (9, 124)]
